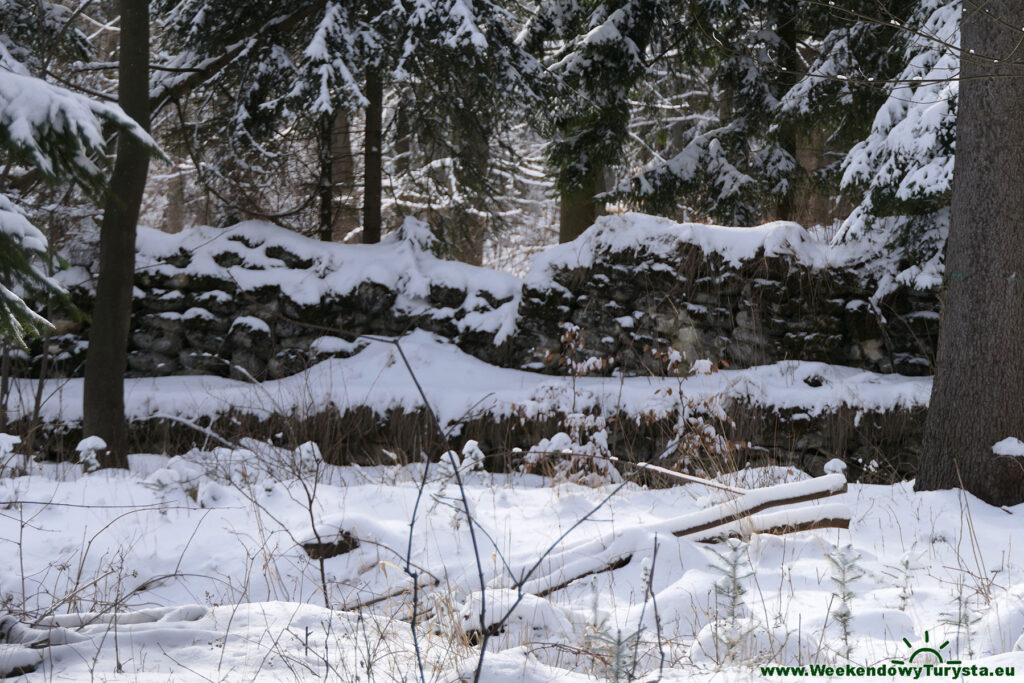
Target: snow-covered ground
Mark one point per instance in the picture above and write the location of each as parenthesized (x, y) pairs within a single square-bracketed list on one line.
[(192, 568), (458, 384)]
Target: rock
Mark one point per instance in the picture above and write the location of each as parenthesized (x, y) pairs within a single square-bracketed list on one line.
[(201, 363), (446, 297), (289, 259), (287, 362)]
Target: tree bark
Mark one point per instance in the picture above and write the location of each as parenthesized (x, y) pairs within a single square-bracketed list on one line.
[(789, 63), (978, 394), (578, 209), (403, 137), (373, 147), (336, 184), (325, 181), (103, 399), (175, 220), (343, 173)]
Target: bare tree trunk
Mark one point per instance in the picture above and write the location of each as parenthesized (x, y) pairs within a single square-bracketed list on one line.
[(403, 137), (789, 63), (469, 227), (5, 385), (325, 182), (175, 201), (103, 400), (978, 395), (577, 207), (343, 173), (373, 147)]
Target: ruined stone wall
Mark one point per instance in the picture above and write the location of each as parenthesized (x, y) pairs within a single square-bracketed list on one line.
[(649, 307), (635, 295)]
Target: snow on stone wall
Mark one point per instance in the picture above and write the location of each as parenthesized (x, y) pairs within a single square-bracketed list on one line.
[(648, 294), (644, 295)]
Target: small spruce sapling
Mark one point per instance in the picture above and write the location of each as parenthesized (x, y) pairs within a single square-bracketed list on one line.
[(903, 574), (616, 652), (845, 571), (472, 460), (731, 628), (963, 618)]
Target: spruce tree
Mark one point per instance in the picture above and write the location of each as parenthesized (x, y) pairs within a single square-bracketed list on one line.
[(456, 64), (47, 130), (901, 172), (773, 76), (596, 52)]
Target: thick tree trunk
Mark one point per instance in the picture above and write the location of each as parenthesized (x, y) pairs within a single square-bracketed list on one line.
[(470, 224), (343, 173), (978, 395), (103, 400), (373, 147), (578, 209), (336, 183)]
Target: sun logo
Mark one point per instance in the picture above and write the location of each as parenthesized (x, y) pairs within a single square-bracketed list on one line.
[(926, 649)]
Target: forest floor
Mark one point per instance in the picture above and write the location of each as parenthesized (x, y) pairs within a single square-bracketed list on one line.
[(192, 568), (207, 566)]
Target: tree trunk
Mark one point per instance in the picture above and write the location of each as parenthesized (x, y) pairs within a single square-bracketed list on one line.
[(175, 220), (978, 394), (373, 147), (789, 63), (103, 400), (343, 173), (577, 207), (403, 137), (469, 223), (325, 181)]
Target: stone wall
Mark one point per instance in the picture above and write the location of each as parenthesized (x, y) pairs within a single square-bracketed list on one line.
[(647, 296), (634, 294), (259, 302)]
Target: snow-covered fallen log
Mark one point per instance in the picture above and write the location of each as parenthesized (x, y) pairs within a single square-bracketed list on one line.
[(734, 517), (741, 516)]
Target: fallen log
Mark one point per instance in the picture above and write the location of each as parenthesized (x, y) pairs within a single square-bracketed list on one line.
[(731, 518), (740, 516)]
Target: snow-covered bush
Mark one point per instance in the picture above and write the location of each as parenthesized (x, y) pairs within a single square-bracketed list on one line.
[(88, 450)]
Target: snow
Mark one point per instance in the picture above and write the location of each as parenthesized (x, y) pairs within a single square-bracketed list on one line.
[(251, 322), (660, 237), (402, 262), (204, 565), (91, 443), (835, 466), (457, 383), (1009, 446), (328, 344)]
